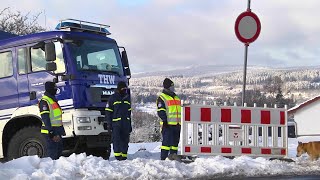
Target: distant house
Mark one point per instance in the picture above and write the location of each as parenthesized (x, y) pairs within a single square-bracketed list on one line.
[(5, 35), (307, 117)]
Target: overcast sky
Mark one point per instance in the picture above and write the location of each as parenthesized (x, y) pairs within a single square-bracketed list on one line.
[(169, 34)]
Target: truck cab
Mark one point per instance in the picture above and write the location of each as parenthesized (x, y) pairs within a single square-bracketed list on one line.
[(85, 64)]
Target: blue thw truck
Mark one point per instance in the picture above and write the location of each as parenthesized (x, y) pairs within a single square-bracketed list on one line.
[(85, 64)]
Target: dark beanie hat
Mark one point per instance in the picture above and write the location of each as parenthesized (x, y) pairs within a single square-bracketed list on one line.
[(121, 85), (167, 83), (49, 86)]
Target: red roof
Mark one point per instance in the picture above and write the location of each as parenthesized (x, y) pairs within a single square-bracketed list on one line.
[(302, 105)]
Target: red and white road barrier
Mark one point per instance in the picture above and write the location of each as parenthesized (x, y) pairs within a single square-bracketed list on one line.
[(234, 131)]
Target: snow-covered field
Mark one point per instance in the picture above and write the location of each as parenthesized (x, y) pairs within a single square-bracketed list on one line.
[(144, 163), (150, 108)]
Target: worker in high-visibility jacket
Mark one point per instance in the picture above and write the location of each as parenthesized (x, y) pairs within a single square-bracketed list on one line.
[(169, 111), (52, 127), (118, 120)]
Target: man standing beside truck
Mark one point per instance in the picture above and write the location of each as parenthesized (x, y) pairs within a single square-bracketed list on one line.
[(118, 119), (52, 127), (169, 111)]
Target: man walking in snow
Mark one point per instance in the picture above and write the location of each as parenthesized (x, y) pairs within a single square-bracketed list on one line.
[(51, 115), (118, 119), (169, 111)]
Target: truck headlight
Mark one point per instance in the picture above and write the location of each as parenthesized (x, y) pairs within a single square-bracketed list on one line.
[(83, 120), (81, 128)]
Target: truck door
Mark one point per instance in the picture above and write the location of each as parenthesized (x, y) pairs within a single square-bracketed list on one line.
[(38, 74), (8, 82), (22, 77)]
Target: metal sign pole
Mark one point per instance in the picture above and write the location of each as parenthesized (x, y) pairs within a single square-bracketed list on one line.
[(245, 65), (245, 24), (244, 73)]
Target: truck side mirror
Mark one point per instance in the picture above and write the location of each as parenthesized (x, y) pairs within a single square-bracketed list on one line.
[(50, 51), (128, 73), (51, 66), (124, 59), (125, 62)]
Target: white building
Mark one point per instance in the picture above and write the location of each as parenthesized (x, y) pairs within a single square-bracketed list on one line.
[(307, 117)]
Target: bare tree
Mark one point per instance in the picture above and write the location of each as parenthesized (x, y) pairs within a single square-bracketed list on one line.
[(273, 85), (18, 23)]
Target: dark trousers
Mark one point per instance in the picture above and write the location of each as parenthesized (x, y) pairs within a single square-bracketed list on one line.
[(54, 149), (120, 140), (170, 138)]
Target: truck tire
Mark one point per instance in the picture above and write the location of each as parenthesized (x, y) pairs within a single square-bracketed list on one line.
[(27, 141)]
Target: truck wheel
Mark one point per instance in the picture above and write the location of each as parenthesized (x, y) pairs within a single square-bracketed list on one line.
[(27, 142)]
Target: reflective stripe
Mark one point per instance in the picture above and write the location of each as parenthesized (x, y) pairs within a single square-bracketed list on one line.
[(162, 109), (128, 118), (173, 123), (108, 109), (116, 119), (174, 148), (174, 102), (126, 102), (44, 131), (117, 102), (117, 154), (165, 148), (43, 112), (170, 123), (124, 155), (129, 109)]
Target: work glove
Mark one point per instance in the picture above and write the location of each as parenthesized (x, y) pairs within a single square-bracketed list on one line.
[(56, 138), (165, 124)]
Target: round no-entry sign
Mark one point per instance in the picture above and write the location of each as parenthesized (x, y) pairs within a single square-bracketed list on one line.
[(247, 27)]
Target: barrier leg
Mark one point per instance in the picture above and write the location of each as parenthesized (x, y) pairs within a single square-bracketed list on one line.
[(215, 134), (245, 135), (225, 134), (275, 136), (195, 134), (205, 133), (255, 133), (265, 136)]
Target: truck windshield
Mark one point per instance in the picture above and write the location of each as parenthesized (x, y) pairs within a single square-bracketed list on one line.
[(96, 56)]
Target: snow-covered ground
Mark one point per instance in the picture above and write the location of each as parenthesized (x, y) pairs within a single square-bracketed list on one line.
[(144, 163), (150, 108)]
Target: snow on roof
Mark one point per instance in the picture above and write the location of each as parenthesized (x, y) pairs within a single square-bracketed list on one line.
[(302, 105)]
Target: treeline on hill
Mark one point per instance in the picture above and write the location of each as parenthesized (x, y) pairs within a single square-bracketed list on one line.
[(271, 95), (292, 79)]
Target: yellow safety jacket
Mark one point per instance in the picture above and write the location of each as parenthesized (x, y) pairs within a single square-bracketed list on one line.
[(173, 109), (55, 114)]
